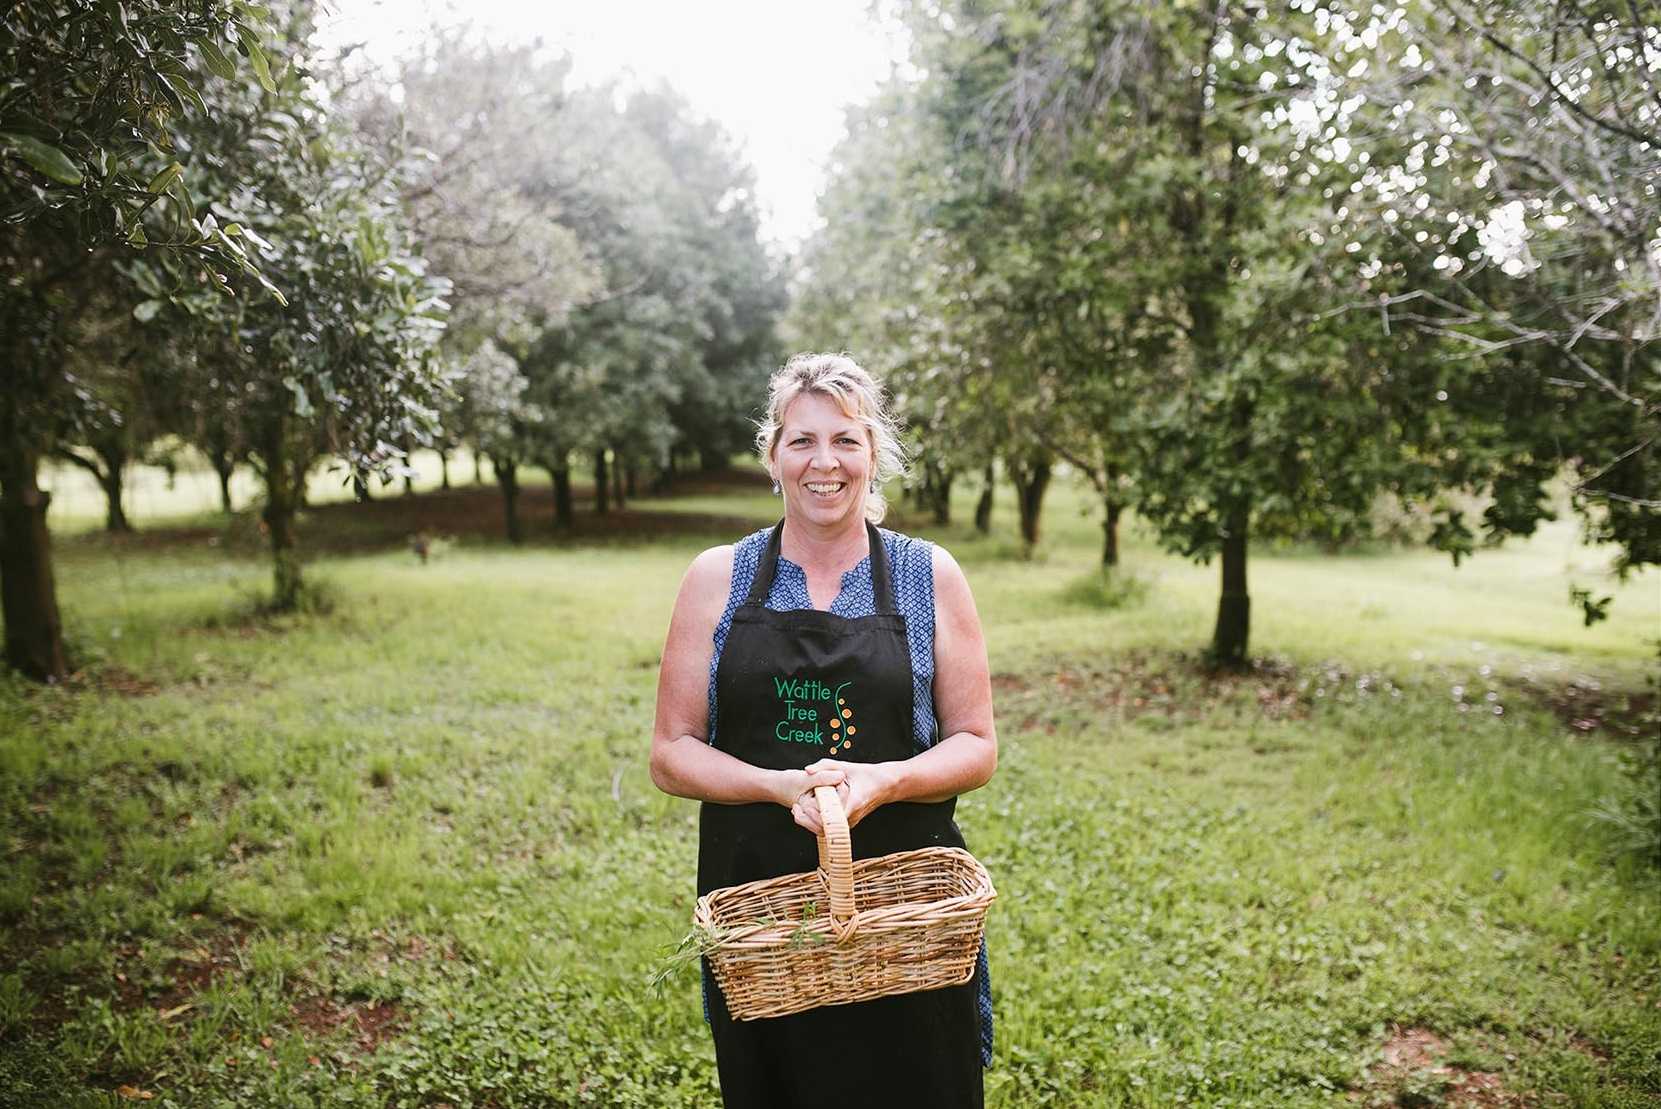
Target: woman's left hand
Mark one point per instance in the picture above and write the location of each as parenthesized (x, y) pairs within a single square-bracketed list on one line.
[(865, 786)]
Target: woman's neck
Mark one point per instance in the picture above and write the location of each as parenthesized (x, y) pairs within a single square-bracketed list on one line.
[(819, 552)]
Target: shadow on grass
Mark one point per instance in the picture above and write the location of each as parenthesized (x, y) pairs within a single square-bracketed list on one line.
[(472, 515)]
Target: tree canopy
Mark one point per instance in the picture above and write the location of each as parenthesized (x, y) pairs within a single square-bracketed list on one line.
[(217, 234), (1200, 253)]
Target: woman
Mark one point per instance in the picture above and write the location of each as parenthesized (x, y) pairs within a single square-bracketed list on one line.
[(768, 633)]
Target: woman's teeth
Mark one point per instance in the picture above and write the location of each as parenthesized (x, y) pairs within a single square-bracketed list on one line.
[(825, 489)]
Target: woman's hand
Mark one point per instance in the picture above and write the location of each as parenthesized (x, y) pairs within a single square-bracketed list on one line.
[(794, 790), (864, 786)]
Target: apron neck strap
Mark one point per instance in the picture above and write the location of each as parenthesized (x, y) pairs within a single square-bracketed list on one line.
[(882, 590)]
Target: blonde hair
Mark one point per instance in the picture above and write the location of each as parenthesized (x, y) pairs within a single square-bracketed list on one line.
[(857, 393)]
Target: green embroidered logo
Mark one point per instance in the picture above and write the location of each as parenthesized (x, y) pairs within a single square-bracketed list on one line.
[(809, 707)]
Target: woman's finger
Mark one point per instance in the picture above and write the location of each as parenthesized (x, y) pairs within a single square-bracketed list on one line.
[(818, 778), (809, 820)]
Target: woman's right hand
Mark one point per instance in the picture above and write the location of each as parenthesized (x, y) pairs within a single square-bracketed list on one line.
[(794, 790)]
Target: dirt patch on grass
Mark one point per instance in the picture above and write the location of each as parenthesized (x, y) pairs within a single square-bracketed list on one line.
[(1586, 705), (1413, 1072), (368, 1024), (476, 514), (409, 947), (127, 979), (1181, 687), (1176, 686), (157, 538), (189, 974), (196, 971), (114, 680), (1592, 1051)]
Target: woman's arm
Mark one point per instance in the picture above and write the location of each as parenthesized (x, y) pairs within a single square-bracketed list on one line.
[(682, 762), (967, 753)]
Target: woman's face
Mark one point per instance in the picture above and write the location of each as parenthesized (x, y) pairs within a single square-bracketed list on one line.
[(822, 459)]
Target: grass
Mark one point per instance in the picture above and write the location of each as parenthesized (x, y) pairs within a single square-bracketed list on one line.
[(404, 850)]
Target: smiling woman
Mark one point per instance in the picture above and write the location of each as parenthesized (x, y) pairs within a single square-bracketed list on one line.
[(828, 400), (820, 636)]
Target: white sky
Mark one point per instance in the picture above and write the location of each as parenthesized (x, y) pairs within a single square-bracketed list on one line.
[(775, 74)]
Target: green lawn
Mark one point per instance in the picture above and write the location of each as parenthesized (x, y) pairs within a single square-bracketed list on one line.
[(405, 851)]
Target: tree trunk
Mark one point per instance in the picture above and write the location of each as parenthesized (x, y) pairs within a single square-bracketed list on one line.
[(507, 476), (632, 474), (409, 478), (602, 484), (1205, 240), (478, 467), (113, 480), (282, 482), (360, 488), (712, 461), (115, 515), (1228, 644), (1030, 485), (564, 517), (224, 467), (444, 469), (940, 492), (28, 595), (301, 466), (617, 481), (983, 508), (1110, 533)]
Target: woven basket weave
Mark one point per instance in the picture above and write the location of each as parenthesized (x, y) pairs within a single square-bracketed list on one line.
[(847, 931)]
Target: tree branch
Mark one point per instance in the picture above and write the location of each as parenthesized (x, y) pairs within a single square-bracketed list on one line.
[(1654, 141)]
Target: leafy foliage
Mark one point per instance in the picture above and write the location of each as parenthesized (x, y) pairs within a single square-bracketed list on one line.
[(343, 361), (1199, 253)]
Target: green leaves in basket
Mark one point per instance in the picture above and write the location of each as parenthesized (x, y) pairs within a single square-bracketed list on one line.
[(701, 941), (693, 946)]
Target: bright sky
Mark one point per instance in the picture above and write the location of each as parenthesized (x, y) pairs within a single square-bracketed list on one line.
[(775, 74)]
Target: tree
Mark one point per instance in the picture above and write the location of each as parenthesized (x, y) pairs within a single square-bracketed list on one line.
[(116, 370), (494, 415), (90, 92), (1535, 127), (1228, 394), (674, 351), (346, 363), (876, 280)]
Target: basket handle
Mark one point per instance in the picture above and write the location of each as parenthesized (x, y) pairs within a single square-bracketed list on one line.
[(836, 858)]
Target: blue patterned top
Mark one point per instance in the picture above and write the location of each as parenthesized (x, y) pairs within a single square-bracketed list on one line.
[(911, 570)]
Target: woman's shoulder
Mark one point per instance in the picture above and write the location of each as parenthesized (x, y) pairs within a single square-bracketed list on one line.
[(899, 544), (918, 561), (750, 547), (911, 562), (718, 565)]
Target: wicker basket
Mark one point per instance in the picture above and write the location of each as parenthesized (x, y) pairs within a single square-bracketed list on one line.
[(903, 922)]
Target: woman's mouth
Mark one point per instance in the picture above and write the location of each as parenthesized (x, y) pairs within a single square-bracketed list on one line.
[(824, 488)]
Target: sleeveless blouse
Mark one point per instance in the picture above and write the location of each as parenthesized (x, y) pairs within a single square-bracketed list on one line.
[(911, 569)]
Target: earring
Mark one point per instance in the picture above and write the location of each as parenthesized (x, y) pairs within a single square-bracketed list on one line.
[(873, 485), (777, 489)]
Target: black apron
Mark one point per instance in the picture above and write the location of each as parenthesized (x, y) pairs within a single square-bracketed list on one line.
[(792, 688)]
